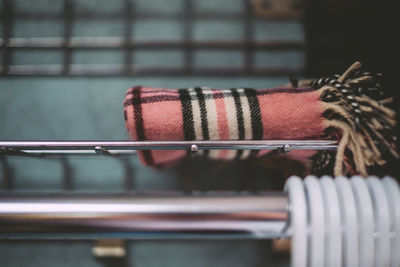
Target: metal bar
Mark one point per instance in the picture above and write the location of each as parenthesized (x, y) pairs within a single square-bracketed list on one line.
[(127, 37), (248, 35), (187, 35), (118, 42), (107, 70), (258, 216), (8, 10), (118, 147), (68, 20), (154, 15), (129, 173), (66, 174), (7, 173)]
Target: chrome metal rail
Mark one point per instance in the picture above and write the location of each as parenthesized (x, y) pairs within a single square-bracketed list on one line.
[(126, 147), (144, 216)]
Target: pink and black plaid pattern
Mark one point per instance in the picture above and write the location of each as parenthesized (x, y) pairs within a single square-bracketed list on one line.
[(209, 114)]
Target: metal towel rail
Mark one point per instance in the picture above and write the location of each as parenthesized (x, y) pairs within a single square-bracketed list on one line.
[(346, 222), (126, 147)]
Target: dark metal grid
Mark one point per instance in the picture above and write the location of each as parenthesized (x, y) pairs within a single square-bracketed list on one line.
[(248, 34), (7, 29), (68, 20), (121, 150), (68, 43), (128, 38), (67, 176)]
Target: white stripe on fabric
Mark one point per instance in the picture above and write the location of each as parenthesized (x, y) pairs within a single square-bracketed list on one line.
[(231, 115), (232, 120), (248, 131), (196, 117), (212, 120)]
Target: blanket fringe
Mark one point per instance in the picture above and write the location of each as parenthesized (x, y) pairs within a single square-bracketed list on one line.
[(355, 112)]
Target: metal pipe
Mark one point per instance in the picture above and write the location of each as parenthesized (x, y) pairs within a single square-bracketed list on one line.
[(144, 216), (91, 147), (118, 42), (117, 70)]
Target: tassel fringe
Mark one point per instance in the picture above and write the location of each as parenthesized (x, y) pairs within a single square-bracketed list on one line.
[(356, 113)]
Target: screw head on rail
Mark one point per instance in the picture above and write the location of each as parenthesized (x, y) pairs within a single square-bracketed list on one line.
[(287, 148), (194, 148), (97, 149)]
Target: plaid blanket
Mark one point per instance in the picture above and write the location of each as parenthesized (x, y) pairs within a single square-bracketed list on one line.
[(350, 108), (209, 114)]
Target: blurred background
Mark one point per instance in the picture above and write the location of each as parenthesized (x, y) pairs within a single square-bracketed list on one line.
[(65, 66)]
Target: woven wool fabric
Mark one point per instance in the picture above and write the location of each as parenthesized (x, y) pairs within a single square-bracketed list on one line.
[(210, 114), (349, 108)]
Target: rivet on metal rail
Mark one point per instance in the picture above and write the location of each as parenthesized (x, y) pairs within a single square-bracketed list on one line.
[(287, 148), (280, 150), (194, 148), (98, 150), (102, 151)]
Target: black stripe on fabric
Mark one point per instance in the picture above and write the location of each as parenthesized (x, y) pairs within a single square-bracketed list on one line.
[(203, 116), (240, 120), (138, 117), (239, 113), (255, 114), (203, 113), (187, 114)]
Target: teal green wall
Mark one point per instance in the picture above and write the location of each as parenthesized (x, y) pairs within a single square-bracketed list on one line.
[(83, 108)]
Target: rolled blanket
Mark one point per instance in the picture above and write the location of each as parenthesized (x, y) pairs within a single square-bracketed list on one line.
[(349, 108)]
